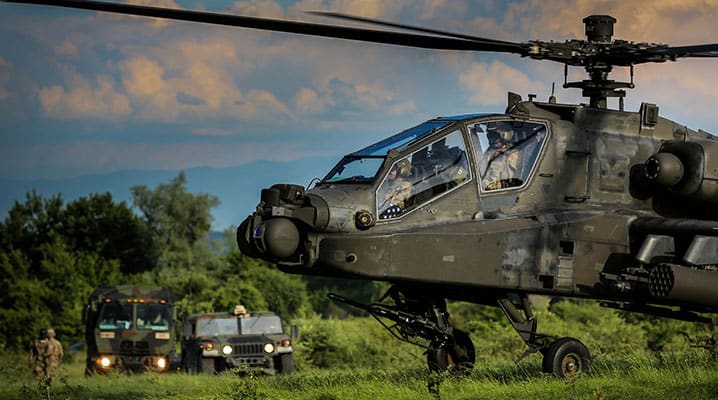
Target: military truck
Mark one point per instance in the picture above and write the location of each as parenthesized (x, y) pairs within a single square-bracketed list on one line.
[(130, 328), (215, 342)]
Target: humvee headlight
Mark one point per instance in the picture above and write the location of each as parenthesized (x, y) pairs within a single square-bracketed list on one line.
[(161, 363), (227, 349), (268, 348), (104, 362)]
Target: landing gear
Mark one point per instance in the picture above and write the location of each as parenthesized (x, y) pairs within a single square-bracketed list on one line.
[(416, 316), (564, 357), (450, 349), (457, 358)]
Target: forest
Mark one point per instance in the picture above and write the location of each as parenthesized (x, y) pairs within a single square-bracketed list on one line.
[(53, 254)]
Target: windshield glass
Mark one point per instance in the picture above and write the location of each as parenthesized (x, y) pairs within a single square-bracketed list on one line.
[(261, 325), (355, 170), (363, 165), (155, 317), (217, 327), (116, 316)]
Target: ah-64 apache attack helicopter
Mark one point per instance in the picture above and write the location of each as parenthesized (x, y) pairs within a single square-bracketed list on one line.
[(547, 198)]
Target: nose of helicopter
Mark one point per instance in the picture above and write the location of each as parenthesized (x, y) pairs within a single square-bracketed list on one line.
[(275, 238)]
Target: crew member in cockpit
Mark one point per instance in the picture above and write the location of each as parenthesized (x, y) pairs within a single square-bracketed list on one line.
[(395, 190), (503, 159)]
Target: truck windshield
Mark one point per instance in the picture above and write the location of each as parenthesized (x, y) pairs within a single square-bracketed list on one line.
[(261, 325), (116, 316), (155, 317), (217, 327)]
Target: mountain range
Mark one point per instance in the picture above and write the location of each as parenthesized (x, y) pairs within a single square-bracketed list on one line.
[(238, 188)]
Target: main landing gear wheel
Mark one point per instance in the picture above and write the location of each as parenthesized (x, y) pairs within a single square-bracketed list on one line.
[(566, 358), (457, 358)]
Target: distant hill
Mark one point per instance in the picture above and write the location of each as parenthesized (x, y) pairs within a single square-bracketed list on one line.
[(238, 188)]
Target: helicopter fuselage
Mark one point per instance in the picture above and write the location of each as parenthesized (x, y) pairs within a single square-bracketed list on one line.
[(583, 220)]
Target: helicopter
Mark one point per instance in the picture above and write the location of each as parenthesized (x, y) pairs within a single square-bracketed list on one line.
[(561, 200)]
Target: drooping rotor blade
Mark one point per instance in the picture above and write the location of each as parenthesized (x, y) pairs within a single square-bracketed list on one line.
[(410, 27), (304, 28), (699, 50)]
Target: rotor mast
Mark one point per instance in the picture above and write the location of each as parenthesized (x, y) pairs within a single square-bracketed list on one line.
[(599, 33)]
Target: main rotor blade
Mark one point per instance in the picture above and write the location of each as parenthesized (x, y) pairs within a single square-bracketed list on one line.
[(303, 28), (410, 27), (699, 50)]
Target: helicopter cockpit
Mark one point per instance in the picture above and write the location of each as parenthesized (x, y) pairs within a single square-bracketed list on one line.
[(506, 152)]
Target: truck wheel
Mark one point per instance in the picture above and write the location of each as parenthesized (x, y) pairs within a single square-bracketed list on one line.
[(286, 363), (207, 365), (566, 358)]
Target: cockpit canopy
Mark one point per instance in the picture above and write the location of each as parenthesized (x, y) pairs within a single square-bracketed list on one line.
[(504, 152)]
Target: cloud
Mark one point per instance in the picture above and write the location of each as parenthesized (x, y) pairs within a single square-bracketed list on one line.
[(487, 83), (66, 48), (84, 98)]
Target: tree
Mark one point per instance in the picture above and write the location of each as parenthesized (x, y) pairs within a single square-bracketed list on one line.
[(175, 217), (97, 224)]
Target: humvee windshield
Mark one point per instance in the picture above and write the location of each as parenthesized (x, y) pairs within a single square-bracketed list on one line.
[(228, 326), (260, 325), (217, 327)]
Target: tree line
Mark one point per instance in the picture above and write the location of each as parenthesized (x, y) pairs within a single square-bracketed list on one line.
[(52, 254)]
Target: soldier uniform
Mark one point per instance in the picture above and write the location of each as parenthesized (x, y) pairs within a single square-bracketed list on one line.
[(46, 355), (53, 354), (37, 354), (503, 167)]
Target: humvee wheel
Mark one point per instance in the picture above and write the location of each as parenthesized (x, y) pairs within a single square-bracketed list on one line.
[(458, 359), (566, 358), (286, 363), (207, 365)]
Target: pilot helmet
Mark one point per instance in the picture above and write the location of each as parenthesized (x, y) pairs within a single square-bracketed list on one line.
[(403, 167)]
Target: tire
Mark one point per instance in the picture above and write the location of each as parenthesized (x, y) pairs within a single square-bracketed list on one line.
[(458, 359), (286, 363), (566, 358), (206, 365)]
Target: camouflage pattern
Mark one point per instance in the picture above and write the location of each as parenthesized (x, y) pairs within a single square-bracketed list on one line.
[(46, 355), (214, 342), (130, 328)]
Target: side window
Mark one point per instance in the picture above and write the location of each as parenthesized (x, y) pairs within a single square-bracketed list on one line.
[(506, 152), (422, 176)]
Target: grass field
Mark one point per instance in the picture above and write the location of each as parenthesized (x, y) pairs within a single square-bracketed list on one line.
[(689, 376)]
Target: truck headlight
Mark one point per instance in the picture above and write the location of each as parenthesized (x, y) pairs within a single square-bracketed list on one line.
[(161, 363), (268, 348), (227, 349), (104, 362)]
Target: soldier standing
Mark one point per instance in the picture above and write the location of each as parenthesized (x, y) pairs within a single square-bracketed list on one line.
[(37, 354), (53, 355)]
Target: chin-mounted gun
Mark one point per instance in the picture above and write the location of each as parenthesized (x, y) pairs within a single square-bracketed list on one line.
[(406, 325)]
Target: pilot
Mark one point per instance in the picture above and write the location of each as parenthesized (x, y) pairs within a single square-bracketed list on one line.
[(395, 190), (503, 169)]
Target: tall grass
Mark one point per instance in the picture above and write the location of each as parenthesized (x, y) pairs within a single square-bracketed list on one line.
[(689, 376), (356, 359)]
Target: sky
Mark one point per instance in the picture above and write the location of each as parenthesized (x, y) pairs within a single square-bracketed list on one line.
[(84, 92)]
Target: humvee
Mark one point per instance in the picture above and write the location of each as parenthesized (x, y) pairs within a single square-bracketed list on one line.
[(214, 342), (130, 328)]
